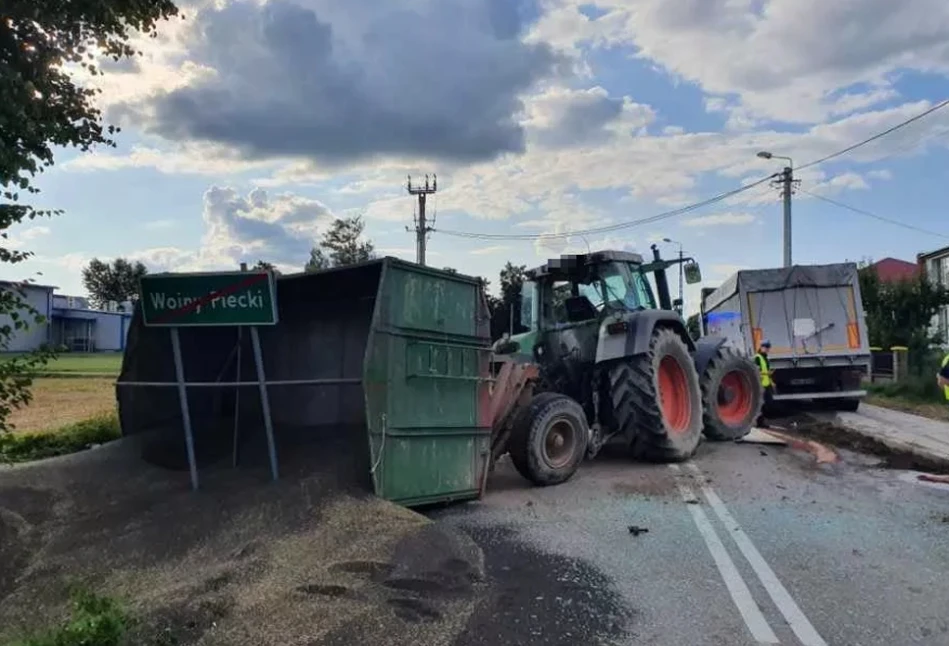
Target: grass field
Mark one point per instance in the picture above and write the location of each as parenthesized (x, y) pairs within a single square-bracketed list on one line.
[(104, 363), (59, 402)]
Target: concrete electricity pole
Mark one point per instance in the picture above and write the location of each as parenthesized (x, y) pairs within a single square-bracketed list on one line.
[(421, 225), (786, 182)]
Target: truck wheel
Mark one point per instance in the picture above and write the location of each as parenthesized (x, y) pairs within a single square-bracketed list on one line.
[(549, 439), (731, 395), (846, 404), (656, 399)]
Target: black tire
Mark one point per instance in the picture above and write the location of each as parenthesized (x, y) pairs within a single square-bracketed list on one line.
[(535, 434), (845, 404), (635, 391), (731, 395)]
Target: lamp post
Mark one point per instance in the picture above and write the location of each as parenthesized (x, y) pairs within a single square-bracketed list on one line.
[(681, 272), (787, 181)]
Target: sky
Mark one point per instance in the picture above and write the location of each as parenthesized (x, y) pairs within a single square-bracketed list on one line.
[(248, 125)]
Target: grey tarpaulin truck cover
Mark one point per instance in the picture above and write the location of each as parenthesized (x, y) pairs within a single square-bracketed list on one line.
[(812, 315), (384, 366)]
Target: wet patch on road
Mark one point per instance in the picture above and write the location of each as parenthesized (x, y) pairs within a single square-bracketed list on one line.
[(539, 598)]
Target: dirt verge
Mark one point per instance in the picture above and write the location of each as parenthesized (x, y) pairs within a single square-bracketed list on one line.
[(820, 428)]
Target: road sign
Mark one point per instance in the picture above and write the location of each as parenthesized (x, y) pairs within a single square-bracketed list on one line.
[(209, 299)]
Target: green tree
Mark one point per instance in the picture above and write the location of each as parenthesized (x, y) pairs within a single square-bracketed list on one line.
[(901, 313), (117, 281), (342, 244), (506, 313), (263, 265), (693, 327), (43, 107)]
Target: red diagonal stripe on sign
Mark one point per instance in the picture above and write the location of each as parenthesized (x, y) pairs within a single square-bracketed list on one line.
[(204, 300)]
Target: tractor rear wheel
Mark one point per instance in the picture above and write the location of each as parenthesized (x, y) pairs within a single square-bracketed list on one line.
[(657, 402), (731, 395), (549, 439)]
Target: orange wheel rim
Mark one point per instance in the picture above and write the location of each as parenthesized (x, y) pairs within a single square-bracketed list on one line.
[(734, 398), (674, 400)]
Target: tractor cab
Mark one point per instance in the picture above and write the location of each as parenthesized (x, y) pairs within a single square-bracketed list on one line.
[(581, 290)]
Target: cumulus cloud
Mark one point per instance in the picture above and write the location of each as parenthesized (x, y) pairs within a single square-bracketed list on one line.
[(800, 61), (563, 117), (326, 80), (280, 229)]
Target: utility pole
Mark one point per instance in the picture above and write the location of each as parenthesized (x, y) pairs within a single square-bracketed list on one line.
[(421, 225), (786, 182), (787, 179)]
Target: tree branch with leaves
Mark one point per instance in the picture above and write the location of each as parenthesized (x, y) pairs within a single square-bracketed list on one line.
[(44, 107)]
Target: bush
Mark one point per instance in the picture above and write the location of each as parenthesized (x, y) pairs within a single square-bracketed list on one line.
[(916, 388), (24, 447), (95, 621)]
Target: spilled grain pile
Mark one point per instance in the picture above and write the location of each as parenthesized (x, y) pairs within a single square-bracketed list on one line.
[(305, 560)]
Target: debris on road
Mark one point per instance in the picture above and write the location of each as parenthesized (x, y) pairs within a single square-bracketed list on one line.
[(636, 530), (761, 436), (823, 454), (926, 477)]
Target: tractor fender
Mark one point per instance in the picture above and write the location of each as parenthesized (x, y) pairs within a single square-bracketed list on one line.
[(627, 334), (706, 348)]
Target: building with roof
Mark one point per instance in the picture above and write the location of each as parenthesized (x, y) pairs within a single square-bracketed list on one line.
[(71, 323), (894, 270), (935, 265)]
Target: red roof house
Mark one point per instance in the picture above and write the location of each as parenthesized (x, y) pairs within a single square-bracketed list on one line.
[(893, 270)]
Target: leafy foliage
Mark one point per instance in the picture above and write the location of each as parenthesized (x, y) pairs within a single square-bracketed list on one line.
[(509, 303), (16, 315), (263, 265), (341, 245), (26, 447), (95, 621), (901, 313), (43, 107), (116, 282), (692, 325)]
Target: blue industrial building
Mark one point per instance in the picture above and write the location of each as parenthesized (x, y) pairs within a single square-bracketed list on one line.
[(70, 322)]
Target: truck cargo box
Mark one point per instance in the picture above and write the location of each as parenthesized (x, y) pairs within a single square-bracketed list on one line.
[(812, 315)]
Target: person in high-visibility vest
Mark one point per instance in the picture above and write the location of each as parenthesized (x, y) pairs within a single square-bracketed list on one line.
[(767, 383), (942, 378)]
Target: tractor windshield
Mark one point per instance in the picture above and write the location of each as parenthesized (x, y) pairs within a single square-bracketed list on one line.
[(618, 286)]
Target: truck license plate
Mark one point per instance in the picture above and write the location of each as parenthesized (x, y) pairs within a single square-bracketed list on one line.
[(803, 382)]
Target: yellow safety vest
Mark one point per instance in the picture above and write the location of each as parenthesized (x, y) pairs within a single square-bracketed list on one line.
[(762, 362), (945, 389)]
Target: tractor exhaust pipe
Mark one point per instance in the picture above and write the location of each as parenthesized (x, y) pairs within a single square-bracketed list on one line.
[(662, 283)]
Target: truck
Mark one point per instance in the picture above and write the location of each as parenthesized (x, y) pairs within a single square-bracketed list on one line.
[(813, 317)]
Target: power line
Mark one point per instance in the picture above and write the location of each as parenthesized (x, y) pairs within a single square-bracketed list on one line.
[(874, 215), (610, 228), (926, 113), (697, 205)]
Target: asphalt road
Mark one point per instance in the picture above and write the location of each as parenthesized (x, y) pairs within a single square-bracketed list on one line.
[(770, 548)]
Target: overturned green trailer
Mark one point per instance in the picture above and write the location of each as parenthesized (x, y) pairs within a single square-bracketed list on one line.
[(380, 368)]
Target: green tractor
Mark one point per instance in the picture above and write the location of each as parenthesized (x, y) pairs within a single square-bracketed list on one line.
[(602, 361)]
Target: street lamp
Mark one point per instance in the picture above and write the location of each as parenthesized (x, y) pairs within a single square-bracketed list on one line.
[(681, 271), (787, 180)]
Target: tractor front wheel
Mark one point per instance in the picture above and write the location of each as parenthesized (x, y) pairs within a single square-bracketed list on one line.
[(656, 400), (731, 395), (549, 439)]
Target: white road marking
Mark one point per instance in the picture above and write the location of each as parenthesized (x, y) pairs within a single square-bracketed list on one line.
[(796, 619), (737, 588)]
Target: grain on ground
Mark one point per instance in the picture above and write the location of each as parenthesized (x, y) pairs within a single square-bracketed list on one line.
[(57, 402)]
